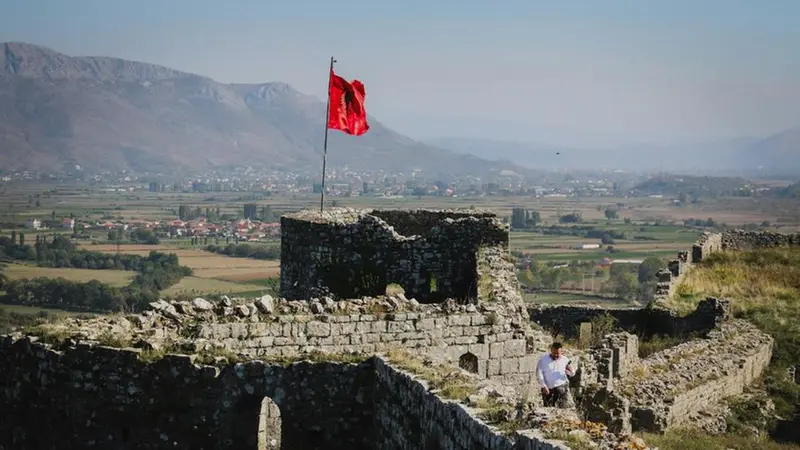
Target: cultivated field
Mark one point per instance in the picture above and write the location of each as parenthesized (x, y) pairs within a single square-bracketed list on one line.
[(116, 278), (213, 273), (200, 286), (648, 233)]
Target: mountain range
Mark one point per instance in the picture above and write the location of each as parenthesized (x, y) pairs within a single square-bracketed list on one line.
[(112, 114), (778, 154)]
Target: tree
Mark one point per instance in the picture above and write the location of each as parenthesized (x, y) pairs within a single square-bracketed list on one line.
[(14, 236), (624, 284), (571, 218), (517, 218), (532, 218), (21, 239), (611, 214), (648, 269)]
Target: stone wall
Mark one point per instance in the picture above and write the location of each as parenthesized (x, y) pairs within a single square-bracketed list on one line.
[(673, 387), (740, 240), (346, 253), (493, 341), (497, 345), (708, 243), (408, 416), (648, 321), (108, 398)]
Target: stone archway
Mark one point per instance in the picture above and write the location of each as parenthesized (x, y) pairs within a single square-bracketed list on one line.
[(468, 362), (269, 426)]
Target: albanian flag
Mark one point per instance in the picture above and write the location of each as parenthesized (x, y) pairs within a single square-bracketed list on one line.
[(347, 112)]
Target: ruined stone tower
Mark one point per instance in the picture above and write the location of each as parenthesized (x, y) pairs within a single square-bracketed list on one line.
[(433, 255)]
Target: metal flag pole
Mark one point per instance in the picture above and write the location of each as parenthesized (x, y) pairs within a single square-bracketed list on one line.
[(325, 145)]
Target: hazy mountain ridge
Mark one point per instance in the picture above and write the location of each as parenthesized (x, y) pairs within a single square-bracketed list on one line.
[(777, 153), (111, 114)]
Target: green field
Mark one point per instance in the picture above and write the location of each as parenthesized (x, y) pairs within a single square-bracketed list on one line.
[(649, 232)]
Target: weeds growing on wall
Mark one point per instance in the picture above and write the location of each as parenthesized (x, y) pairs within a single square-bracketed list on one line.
[(693, 439), (764, 288)]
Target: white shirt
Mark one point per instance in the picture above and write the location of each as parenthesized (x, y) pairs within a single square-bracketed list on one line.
[(551, 373)]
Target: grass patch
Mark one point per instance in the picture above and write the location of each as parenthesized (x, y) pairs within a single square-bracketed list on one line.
[(764, 288), (110, 339), (658, 343), (450, 382), (692, 439)]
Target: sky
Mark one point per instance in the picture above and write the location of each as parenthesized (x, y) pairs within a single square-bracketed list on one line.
[(588, 73)]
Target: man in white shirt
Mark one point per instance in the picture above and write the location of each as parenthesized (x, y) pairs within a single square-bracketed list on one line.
[(552, 371)]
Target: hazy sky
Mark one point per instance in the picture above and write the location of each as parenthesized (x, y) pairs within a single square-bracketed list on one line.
[(570, 72)]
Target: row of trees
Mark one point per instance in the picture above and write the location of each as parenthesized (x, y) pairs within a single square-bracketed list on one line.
[(138, 236), (247, 251), (250, 211), (157, 271), (60, 251), (624, 280)]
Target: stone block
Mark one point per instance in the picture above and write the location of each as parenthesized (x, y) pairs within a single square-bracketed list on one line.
[(496, 350), (459, 320), (527, 364), (318, 329), (514, 347), (480, 350), (426, 324), (399, 327), (509, 365)]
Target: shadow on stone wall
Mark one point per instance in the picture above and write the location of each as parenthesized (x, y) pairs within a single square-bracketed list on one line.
[(644, 322), (108, 398)]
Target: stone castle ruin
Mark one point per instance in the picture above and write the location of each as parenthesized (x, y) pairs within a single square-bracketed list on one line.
[(432, 255), (314, 369), (684, 385)]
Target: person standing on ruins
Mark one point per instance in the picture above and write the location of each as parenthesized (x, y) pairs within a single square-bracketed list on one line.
[(552, 371)]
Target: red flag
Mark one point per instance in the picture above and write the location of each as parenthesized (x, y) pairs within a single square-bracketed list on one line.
[(347, 112)]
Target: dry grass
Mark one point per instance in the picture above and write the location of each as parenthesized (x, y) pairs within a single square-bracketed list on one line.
[(682, 439), (764, 288), (754, 280), (451, 382), (196, 285), (205, 264), (116, 278)]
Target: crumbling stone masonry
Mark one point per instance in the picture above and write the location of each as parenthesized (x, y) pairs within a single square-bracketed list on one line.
[(566, 319), (346, 253), (685, 384), (708, 243), (84, 396), (674, 387), (492, 341), (108, 398)]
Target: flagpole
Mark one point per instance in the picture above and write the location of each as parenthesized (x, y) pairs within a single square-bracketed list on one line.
[(325, 145)]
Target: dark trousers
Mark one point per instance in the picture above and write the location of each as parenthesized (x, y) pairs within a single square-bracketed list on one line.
[(557, 396)]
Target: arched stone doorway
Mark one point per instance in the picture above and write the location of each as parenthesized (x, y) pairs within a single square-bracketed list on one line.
[(269, 426), (468, 362)]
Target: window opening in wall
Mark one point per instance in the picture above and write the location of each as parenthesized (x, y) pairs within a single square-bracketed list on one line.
[(269, 426), (468, 362)]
